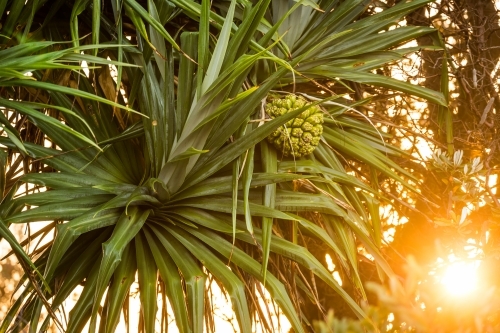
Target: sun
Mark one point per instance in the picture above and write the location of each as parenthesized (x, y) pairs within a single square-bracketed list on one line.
[(460, 278)]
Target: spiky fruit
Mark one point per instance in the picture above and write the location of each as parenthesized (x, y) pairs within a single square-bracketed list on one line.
[(299, 136)]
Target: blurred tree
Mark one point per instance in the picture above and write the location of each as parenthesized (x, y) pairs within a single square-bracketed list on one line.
[(470, 32)]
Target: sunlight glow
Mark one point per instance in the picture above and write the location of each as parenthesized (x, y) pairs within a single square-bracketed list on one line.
[(85, 66), (460, 278), (331, 268)]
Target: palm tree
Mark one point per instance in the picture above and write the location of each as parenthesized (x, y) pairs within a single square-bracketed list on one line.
[(163, 171)]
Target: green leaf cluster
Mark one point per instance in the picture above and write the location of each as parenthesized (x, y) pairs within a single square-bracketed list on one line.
[(162, 170)]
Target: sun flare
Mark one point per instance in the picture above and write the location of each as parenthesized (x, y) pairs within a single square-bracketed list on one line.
[(460, 278)]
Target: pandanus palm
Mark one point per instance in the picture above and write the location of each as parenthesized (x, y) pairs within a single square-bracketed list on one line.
[(162, 171)]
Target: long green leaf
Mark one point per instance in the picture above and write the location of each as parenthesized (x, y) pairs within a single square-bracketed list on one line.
[(172, 280), (147, 273), (248, 264), (126, 228)]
